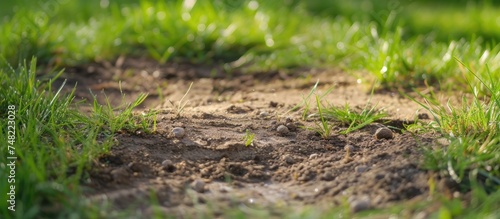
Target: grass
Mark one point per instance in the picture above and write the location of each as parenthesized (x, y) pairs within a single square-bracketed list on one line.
[(54, 144), (330, 115), (248, 138), (214, 31), (472, 159), (395, 44), (473, 129), (179, 107), (352, 119), (355, 120), (323, 127)]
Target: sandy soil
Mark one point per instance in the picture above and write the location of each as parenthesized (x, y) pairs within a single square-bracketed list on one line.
[(209, 168)]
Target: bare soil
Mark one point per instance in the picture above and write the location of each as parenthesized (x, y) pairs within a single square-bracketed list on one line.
[(210, 169)]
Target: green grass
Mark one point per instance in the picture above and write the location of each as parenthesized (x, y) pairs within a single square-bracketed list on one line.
[(329, 115), (323, 127), (179, 107), (54, 144), (248, 138), (473, 128), (395, 49), (402, 44), (352, 119), (472, 159)]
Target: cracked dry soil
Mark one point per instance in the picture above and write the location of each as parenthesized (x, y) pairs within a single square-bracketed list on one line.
[(209, 169)]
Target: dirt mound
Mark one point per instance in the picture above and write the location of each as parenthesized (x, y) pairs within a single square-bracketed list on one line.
[(209, 168)]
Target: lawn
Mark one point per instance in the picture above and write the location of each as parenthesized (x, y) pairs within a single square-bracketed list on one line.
[(443, 57)]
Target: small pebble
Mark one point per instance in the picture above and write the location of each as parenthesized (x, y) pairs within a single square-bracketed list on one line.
[(120, 174), (168, 165), (361, 204), (136, 167), (167, 162), (291, 126), (423, 116), (282, 129), (384, 133), (198, 185), (313, 156), (378, 199), (289, 159), (379, 176), (178, 132), (327, 176), (349, 148), (263, 114), (360, 169)]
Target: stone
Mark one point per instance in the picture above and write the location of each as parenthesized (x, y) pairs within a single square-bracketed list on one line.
[(282, 129), (423, 116), (168, 165), (289, 159), (120, 174), (137, 167), (384, 133), (328, 176), (178, 132), (198, 186), (264, 114), (360, 204), (291, 126), (167, 162), (349, 148), (361, 168)]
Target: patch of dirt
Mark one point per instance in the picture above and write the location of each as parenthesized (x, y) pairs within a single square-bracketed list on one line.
[(210, 168)]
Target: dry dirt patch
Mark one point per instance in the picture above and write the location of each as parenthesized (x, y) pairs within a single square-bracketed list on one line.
[(210, 168)]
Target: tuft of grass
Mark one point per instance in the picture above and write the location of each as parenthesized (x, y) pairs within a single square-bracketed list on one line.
[(341, 115), (305, 105), (179, 107), (352, 119), (54, 145), (248, 138), (323, 127), (122, 118), (473, 128)]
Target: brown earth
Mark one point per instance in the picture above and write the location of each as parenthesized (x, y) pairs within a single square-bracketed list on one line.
[(210, 170)]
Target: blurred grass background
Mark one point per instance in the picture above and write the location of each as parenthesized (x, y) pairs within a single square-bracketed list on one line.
[(388, 41)]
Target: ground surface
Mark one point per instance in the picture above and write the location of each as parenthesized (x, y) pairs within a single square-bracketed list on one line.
[(210, 168)]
